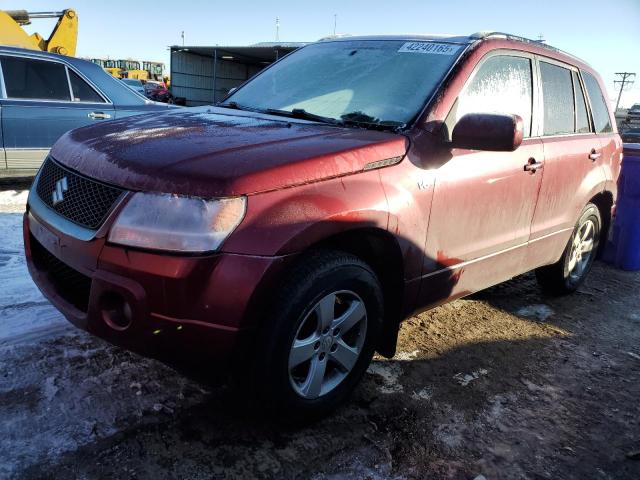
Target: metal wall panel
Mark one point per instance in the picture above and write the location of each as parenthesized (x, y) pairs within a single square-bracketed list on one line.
[(192, 77)]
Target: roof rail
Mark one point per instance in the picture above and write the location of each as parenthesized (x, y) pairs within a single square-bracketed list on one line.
[(482, 35)]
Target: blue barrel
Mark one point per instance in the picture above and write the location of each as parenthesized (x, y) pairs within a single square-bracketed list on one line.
[(623, 248)]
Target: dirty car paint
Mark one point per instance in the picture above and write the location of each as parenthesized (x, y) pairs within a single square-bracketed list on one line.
[(212, 152)]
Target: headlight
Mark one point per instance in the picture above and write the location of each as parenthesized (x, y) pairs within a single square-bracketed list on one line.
[(176, 223)]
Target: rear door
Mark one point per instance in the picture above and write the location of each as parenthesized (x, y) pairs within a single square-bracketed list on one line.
[(43, 99), (603, 124), (573, 160)]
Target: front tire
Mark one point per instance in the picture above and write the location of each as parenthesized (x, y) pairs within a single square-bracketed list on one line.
[(319, 336), (566, 275)]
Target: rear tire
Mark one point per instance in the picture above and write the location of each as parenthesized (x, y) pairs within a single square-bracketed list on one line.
[(566, 275), (305, 364)]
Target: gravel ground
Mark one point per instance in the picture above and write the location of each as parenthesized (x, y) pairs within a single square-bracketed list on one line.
[(506, 384)]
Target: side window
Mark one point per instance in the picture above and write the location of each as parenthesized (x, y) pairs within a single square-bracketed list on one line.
[(81, 90), (557, 95), (599, 109), (582, 119), (502, 84), (26, 78)]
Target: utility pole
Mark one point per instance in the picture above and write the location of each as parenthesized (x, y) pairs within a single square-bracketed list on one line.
[(277, 29), (625, 82)]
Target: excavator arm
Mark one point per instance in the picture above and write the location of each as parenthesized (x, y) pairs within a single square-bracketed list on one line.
[(63, 38)]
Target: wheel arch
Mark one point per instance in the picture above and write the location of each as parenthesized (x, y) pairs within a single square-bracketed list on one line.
[(381, 251), (604, 201)]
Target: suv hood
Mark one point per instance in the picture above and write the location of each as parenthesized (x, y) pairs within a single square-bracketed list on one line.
[(212, 152)]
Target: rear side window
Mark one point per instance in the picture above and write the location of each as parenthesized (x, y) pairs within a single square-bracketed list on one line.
[(35, 79), (81, 90), (557, 94), (599, 109), (502, 84), (582, 119)]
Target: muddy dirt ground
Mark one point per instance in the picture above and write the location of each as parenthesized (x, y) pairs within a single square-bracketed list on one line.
[(507, 384)]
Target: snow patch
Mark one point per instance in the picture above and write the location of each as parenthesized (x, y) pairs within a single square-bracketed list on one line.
[(465, 379), (13, 201), (422, 394), (23, 309), (538, 311), (390, 373), (450, 428), (405, 356)]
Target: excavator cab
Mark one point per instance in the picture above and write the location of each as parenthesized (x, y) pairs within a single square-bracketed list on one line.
[(63, 39), (131, 69), (155, 70), (109, 66)]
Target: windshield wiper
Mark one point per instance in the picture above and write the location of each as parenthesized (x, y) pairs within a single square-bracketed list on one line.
[(295, 113), (364, 120), (302, 114), (237, 106), (357, 119)]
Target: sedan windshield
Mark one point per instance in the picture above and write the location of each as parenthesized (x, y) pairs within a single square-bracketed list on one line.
[(366, 82)]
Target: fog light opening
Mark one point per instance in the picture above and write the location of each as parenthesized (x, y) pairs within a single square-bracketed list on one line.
[(116, 311)]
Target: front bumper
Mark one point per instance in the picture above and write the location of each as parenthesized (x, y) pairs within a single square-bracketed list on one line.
[(179, 309)]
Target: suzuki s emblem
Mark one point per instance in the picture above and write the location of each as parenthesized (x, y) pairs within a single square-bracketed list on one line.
[(58, 194)]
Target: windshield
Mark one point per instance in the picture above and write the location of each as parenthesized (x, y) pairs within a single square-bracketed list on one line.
[(372, 81)]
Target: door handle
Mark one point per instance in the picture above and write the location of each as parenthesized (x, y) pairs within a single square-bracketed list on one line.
[(99, 116), (533, 166), (594, 155)]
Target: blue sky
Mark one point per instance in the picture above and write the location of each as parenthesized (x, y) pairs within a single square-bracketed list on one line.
[(604, 33)]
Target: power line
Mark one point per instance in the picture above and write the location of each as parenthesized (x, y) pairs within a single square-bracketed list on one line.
[(625, 82)]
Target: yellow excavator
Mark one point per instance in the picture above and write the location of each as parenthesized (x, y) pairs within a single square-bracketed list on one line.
[(122, 68), (155, 69), (63, 38), (131, 69), (108, 66)]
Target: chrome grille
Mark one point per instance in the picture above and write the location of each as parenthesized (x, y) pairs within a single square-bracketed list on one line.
[(82, 200)]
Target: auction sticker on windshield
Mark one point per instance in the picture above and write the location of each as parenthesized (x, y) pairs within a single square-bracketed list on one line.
[(429, 47)]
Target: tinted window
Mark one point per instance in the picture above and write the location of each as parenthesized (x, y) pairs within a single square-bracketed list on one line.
[(501, 85), (599, 108), (82, 92), (557, 94), (582, 119), (36, 79)]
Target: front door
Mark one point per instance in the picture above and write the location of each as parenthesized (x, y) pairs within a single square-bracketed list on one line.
[(44, 99), (3, 163), (484, 202)]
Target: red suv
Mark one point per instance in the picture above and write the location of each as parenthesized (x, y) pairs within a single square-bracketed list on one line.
[(285, 233)]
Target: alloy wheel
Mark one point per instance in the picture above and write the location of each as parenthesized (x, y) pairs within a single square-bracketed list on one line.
[(328, 344), (582, 250)]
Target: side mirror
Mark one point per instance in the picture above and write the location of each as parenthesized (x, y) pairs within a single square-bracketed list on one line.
[(488, 131)]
